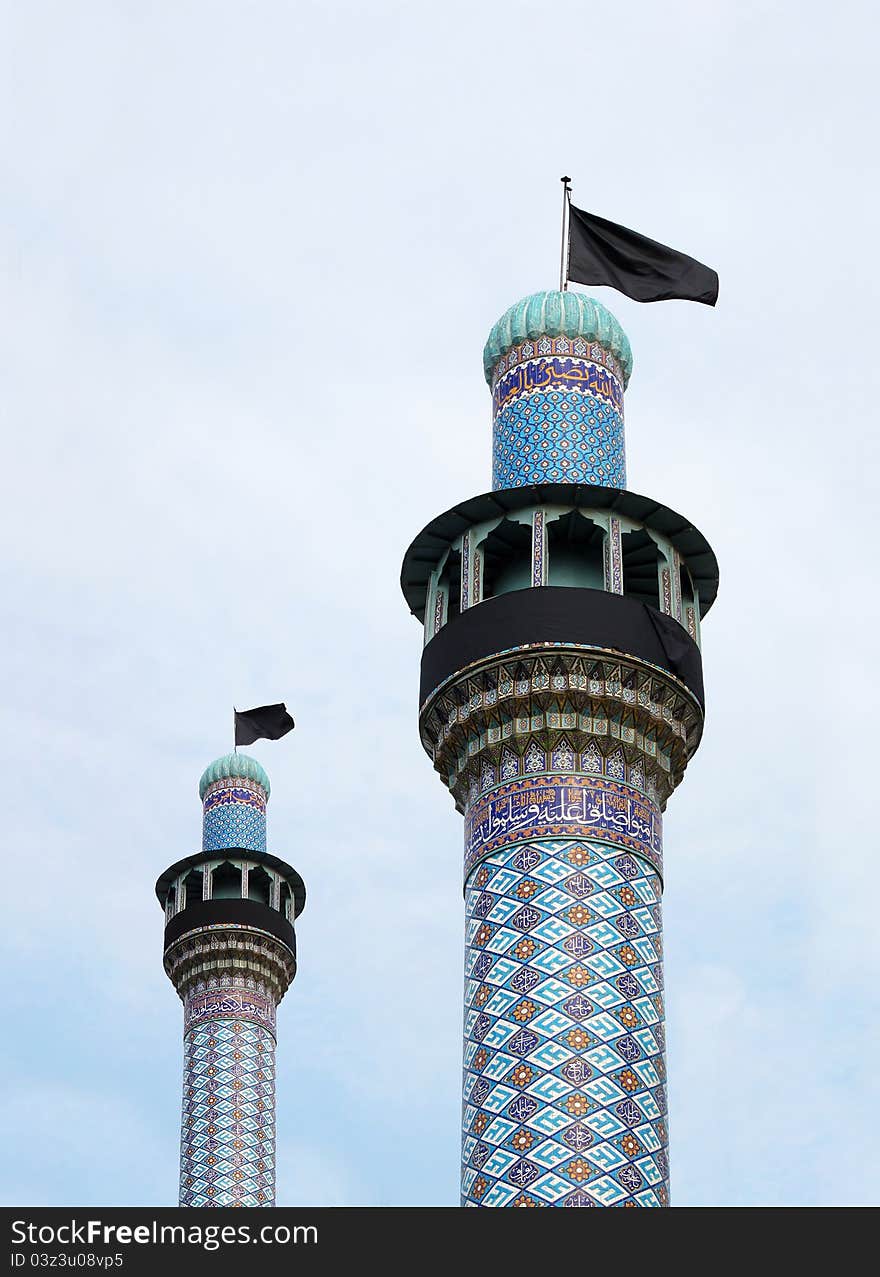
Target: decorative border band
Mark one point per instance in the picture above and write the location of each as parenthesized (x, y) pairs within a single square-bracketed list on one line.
[(544, 346), (563, 807), (558, 374), (227, 795), (229, 1004)]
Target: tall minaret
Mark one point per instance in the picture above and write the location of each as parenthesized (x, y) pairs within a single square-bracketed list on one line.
[(561, 700), (230, 951)]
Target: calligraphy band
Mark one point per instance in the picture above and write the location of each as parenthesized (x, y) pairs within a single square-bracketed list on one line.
[(229, 1003), (558, 374), (563, 806)]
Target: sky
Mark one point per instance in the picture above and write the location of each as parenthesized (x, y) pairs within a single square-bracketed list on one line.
[(249, 257)]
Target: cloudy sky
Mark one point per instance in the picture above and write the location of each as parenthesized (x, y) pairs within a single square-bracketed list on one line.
[(250, 255)]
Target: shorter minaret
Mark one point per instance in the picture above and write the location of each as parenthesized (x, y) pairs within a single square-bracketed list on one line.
[(230, 952)]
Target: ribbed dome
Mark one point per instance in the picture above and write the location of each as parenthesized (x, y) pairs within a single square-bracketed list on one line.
[(238, 766), (555, 314)]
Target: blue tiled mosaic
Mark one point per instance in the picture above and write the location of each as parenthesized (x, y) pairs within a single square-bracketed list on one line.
[(234, 816), (228, 1127), (564, 1068), (558, 436)]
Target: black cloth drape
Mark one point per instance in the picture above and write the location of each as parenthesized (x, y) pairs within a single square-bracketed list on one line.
[(561, 614)]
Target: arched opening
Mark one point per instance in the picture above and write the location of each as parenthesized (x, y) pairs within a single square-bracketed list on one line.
[(286, 901), (450, 580), (192, 887), (170, 902), (688, 594), (640, 568), (575, 548), (226, 882), (507, 559), (259, 886), (690, 605)]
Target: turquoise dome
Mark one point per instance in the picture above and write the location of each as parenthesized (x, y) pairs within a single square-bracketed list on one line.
[(555, 314), (239, 766)]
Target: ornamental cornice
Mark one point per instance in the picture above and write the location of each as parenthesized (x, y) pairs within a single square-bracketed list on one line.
[(228, 950), (608, 702)]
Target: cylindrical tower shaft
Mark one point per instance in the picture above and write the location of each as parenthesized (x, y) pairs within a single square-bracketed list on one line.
[(609, 1092), (228, 1125), (564, 1070), (561, 700), (564, 1073), (227, 1142), (230, 951)]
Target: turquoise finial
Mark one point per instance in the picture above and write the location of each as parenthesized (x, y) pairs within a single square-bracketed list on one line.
[(556, 314), (235, 766)]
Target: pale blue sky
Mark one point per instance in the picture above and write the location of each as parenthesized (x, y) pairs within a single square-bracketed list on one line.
[(250, 257)]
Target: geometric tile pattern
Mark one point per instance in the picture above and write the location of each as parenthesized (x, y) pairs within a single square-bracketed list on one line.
[(558, 437), (558, 420), (234, 816), (564, 1067), (227, 1154)]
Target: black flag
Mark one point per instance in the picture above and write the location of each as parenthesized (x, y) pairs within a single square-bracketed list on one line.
[(601, 252), (266, 722)]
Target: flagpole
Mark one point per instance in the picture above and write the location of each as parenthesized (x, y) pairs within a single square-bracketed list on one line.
[(563, 255), (234, 726)]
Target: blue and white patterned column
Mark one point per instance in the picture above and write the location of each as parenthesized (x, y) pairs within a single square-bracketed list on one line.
[(227, 1148), (564, 1071)]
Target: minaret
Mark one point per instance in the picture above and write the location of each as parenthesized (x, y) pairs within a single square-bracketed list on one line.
[(230, 951), (561, 699)]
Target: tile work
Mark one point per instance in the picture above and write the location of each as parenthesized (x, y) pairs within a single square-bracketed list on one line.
[(234, 815), (558, 419), (541, 709), (227, 1152), (564, 1070), (558, 438), (614, 558), (562, 757), (583, 806), (579, 347), (539, 548)]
